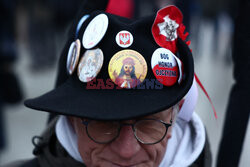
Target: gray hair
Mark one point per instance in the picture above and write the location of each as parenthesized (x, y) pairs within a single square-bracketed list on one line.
[(176, 109)]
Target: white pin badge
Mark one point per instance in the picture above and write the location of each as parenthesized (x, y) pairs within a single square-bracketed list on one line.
[(166, 67), (90, 65), (73, 56), (95, 31), (124, 39)]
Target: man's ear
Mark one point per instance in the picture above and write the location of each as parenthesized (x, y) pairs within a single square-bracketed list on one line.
[(71, 122), (181, 103)]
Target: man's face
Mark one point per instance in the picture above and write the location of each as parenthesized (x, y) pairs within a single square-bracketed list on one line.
[(124, 151)]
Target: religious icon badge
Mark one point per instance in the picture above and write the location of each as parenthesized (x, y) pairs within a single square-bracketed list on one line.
[(127, 68), (90, 65)]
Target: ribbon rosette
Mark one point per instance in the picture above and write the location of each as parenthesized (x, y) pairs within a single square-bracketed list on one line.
[(168, 27)]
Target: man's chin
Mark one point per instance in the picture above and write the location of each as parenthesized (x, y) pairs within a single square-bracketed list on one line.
[(117, 163), (125, 164)]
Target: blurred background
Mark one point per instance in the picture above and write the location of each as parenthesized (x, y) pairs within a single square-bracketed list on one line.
[(33, 34)]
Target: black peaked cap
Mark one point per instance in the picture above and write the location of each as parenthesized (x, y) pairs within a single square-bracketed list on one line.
[(72, 98)]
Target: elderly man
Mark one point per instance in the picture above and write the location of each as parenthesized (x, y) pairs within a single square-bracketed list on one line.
[(147, 124)]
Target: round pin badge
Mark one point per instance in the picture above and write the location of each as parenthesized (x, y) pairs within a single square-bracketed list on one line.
[(164, 66), (127, 68), (90, 65), (73, 56), (95, 31), (124, 39)]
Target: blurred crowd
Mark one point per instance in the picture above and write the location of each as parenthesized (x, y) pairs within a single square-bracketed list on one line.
[(45, 23), (45, 29)]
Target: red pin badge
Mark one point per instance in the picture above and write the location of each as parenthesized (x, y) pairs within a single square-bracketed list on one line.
[(166, 67)]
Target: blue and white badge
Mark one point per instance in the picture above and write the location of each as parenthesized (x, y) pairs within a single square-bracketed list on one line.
[(95, 31), (79, 25)]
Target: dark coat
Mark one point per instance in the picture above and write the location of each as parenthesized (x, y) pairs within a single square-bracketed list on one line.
[(50, 153), (238, 104)]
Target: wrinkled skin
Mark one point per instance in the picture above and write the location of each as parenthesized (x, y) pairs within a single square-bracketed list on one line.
[(125, 151)]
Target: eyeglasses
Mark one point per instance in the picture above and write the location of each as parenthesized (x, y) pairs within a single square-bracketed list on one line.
[(146, 131)]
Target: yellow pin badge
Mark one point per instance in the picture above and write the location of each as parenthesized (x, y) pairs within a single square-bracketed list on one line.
[(127, 68)]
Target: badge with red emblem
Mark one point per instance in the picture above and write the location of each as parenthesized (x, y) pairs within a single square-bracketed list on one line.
[(168, 27), (166, 67), (124, 39)]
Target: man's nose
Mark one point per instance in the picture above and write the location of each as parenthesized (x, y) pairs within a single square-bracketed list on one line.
[(126, 145)]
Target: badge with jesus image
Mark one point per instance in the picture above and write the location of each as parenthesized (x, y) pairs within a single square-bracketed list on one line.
[(127, 68), (164, 66)]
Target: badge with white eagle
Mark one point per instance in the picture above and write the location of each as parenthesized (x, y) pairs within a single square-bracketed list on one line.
[(168, 28), (124, 39)]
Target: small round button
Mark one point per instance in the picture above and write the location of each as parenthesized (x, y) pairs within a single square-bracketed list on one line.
[(73, 56), (124, 39)]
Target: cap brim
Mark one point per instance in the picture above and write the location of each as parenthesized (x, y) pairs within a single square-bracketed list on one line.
[(72, 100)]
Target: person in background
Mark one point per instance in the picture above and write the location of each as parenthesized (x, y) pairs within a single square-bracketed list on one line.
[(10, 89), (47, 22), (237, 115)]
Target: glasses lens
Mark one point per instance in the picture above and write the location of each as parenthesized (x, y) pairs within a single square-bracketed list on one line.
[(103, 132), (150, 131)]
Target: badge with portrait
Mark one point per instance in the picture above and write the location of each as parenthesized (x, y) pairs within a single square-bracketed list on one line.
[(127, 69), (90, 65)]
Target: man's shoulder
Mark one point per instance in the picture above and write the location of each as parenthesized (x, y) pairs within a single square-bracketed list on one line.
[(24, 163)]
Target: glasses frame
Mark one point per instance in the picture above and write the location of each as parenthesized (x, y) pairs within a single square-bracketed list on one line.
[(167, 125)]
